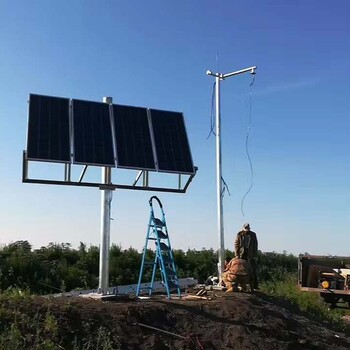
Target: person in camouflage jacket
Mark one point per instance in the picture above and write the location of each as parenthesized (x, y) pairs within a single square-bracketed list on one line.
[(246, 247)]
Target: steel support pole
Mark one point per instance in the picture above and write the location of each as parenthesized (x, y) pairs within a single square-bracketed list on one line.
[(106, 199), (220, 214)]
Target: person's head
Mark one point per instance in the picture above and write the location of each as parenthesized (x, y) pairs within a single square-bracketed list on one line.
[(246, 227)]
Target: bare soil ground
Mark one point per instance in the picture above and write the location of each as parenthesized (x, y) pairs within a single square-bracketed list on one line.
[(231, 321)]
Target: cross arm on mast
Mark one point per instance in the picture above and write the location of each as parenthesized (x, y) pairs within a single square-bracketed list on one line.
[(228, 75)]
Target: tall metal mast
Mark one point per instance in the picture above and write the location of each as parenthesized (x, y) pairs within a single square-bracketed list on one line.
[(106, 199), (218, 78)]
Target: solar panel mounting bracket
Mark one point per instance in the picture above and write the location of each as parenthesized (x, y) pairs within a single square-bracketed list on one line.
[(67, 180)]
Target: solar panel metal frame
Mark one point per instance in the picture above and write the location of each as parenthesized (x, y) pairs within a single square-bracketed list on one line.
[(155, 168), (186, 136), (74, 161), (48, 160)]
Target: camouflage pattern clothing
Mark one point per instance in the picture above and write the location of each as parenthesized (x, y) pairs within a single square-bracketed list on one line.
[(236, 271), (246, 247)]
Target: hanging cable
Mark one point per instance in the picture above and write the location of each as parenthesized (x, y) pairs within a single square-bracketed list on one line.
[(247, 148), (212, 114), (253, 80), (224, 188)]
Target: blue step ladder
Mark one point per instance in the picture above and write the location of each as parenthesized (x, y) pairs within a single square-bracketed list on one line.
[(164, 261)]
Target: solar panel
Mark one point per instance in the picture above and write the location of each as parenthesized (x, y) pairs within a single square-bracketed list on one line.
[(92, 134), (48, 129), (146, 139), (133, 138), (171, 143)]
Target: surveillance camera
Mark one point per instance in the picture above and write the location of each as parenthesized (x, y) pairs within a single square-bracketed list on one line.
[(208, 72)]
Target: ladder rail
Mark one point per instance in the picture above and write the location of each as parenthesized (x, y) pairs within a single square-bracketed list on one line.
[(157, 199), (170, 253), (153, 273), (162, 269), (143, 258)]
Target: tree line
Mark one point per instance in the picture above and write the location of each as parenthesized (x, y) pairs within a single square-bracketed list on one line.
[(60, 267)]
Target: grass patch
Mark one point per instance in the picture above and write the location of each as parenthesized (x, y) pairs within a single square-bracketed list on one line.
[(309, 303), (26, 324)]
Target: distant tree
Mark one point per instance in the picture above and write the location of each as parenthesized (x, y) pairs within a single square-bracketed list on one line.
[(60, 267), (274, 266)]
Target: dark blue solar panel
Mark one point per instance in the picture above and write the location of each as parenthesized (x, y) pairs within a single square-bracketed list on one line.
[(144, 139), (171, 142), (48, 129), (133, 138), (92, 133)]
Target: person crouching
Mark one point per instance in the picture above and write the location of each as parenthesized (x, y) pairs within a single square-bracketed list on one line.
[(236, 275)]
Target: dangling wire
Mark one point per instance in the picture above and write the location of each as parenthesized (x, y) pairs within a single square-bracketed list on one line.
[(252, 83), (212, 114), (246, 147), (225, 188)]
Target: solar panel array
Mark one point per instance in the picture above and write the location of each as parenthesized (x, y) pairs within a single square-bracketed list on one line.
[(95, 133)]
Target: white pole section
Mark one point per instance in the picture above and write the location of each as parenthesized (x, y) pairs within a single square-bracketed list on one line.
[(106, 199), (220, 211), (221, 252)]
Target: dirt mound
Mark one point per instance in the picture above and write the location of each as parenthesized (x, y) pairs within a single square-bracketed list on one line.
[(231, 321)]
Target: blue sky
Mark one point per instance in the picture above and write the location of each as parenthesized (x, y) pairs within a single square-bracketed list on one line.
[(155, 54)]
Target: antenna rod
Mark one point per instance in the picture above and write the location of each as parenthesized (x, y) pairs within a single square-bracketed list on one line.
[(219, 194)]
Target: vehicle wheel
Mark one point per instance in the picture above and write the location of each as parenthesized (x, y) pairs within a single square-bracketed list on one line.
[(330, 299), (332, 306)]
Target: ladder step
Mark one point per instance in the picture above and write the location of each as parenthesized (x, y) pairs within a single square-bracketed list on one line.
[(163, 246), (158, 222), (148, 263), (161, 234)]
